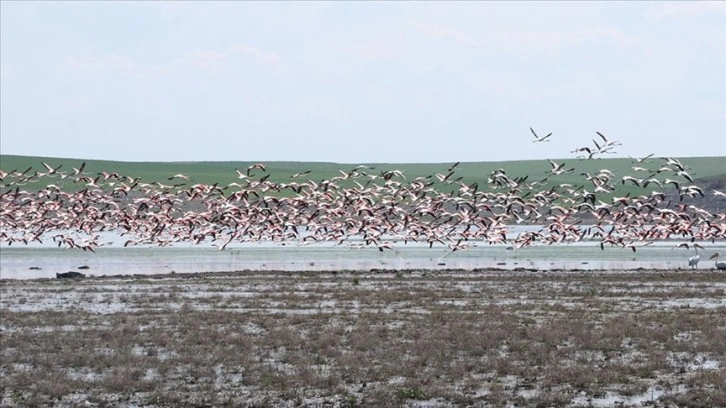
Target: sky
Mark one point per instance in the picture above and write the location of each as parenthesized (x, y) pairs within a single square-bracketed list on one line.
[(354, 82)]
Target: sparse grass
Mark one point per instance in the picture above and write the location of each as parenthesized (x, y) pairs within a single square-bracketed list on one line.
[(411, 394), (452, 339)]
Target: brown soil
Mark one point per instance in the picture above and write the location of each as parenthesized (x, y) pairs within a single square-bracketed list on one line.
[(485, 338)]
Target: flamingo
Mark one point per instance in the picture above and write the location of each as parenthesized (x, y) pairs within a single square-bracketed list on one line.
[(385, 204), (539, 139), (51, 170), (642, 159), (255, 166)]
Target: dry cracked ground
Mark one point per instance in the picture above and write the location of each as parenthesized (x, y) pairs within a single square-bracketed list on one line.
[(452, 338)]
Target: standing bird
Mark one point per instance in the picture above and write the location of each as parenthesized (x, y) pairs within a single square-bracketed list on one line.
[(720, 265), (693, 261)]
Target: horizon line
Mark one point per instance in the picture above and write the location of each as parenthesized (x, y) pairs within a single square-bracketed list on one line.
[(341, 162)]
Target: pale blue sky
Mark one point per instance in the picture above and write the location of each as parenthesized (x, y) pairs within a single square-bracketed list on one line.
[(360, 81)]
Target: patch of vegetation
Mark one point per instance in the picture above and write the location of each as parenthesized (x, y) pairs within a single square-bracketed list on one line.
[(411, 394), (490, 338)]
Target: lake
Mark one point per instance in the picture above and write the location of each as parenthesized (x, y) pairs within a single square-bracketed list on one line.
[(16, 261)]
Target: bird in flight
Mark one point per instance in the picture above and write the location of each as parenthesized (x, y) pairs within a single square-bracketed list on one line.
[(642, 159), (537, 138), (179, 176)]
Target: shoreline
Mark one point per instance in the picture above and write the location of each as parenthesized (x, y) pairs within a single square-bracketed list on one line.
[(374, 271), (434, 338)]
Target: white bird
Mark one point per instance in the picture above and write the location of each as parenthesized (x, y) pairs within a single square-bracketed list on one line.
[(558, 169), (721, 265), (693, 261), (539, 139), (179, 176), (643, 159)]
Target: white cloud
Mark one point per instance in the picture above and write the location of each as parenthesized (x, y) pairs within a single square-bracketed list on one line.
[(171, 5), (528, 40), (522, 40), (380, 48), (445, 31), (557, 41), (102, 64), (209, 61), (686, 9), (259, 56), (613, 34)]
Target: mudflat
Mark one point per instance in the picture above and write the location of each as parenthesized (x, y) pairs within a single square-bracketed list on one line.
[(407, 338)]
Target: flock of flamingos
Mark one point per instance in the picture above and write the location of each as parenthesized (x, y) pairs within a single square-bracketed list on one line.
[(363, 207)]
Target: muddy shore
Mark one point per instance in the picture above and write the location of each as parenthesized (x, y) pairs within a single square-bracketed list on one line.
[(404, 338)]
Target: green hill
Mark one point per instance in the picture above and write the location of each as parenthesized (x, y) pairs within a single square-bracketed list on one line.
[(710, 170)]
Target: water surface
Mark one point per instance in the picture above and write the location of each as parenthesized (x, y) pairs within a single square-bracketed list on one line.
[(16, 262)]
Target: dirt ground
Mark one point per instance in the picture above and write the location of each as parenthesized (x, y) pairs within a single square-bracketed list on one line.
[(414, 338)]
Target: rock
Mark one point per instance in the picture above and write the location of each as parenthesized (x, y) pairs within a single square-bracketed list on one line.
[(84, 267), (70, 274), (34, 268)]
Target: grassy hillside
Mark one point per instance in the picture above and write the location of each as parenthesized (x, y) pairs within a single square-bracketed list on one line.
[(223, 172)]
